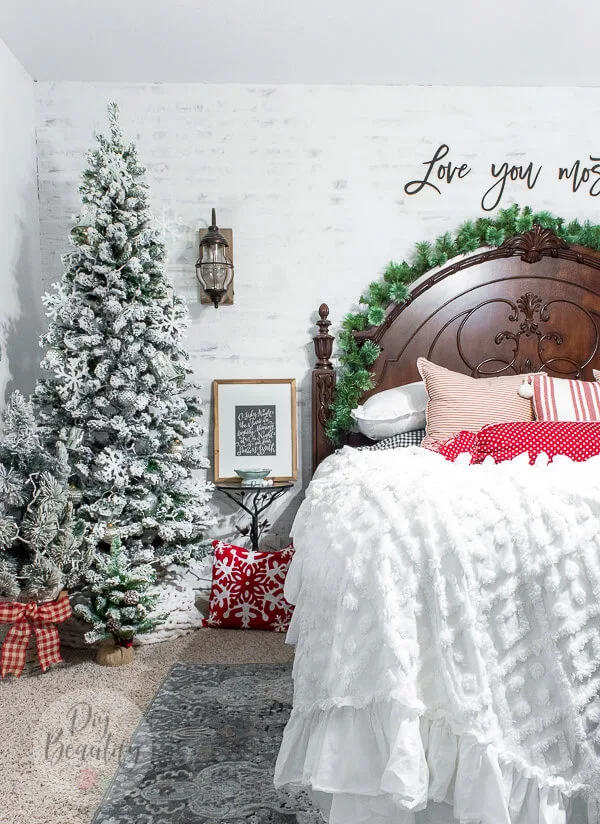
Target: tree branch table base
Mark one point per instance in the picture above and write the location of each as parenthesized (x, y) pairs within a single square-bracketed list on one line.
[(254, 500)]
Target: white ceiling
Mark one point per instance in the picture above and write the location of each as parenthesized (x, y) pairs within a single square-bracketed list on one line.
[(447, 42)]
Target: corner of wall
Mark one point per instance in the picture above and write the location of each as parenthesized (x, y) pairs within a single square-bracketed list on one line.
[(20, 252)]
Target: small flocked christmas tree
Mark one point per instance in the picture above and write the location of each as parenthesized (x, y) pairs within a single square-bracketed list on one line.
[(118, 395), (121, 606), (41, 545)]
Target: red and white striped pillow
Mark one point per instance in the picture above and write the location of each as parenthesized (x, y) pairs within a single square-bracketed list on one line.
[(458, 402), (560, 399)]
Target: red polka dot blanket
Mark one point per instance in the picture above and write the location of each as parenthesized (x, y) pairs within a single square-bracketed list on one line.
[(578, 440), (247, 589)]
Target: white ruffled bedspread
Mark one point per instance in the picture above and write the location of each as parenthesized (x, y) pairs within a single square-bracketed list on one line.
[(448, 640)]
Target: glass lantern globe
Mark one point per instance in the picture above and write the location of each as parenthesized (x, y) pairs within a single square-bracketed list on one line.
[(214, 269)]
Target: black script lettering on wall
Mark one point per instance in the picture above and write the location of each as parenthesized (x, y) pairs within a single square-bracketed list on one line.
[(504, 173), (437, 171), (578, 174), (582, 175)]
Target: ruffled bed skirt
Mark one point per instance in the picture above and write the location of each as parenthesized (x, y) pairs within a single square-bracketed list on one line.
[(382, 764)]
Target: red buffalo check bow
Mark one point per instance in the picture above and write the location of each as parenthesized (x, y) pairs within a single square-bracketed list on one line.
[(28, 618)]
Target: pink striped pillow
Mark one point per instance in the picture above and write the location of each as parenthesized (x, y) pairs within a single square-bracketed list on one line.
[(458, 402), (560, 399)]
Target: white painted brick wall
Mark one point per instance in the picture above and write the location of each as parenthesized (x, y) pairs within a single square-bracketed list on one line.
[(21, 315), (311, 181)]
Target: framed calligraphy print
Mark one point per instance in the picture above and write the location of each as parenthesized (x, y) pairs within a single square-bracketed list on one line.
[(255, 428)]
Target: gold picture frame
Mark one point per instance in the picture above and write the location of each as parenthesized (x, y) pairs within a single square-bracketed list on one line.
[(255, 426)]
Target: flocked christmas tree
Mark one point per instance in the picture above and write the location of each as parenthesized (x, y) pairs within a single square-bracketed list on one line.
[(41, 545), (118, 394), (121, 605)]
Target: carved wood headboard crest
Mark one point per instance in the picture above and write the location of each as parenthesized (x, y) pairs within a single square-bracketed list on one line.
[(531, 304)]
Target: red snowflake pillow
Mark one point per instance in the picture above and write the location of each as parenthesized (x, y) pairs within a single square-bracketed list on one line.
[(247, 589), (578, 440)]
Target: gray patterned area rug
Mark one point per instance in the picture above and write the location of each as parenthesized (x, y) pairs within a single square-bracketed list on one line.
[(206, 750)]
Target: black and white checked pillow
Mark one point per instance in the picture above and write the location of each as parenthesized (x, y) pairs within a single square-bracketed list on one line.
[(403, 439)]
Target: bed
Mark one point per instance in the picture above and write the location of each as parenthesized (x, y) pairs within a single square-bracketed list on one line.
[(447, 620)]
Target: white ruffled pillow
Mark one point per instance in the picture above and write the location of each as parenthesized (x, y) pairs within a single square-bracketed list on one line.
[(392, 412)]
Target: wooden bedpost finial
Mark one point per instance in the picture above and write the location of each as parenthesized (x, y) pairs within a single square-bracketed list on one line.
[(323, 341), (323, 388)]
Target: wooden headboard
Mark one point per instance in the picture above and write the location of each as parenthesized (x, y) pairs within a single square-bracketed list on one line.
[(531, 304)]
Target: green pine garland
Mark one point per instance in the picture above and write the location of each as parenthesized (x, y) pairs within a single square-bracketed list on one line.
[(355, 376)]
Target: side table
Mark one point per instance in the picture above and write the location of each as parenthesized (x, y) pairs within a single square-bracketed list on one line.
[(254, 500)]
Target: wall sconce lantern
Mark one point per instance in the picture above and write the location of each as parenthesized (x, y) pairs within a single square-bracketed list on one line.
[(214, 268)]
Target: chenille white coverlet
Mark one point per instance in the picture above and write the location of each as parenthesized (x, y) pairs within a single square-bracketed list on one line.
[(447, 637)]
